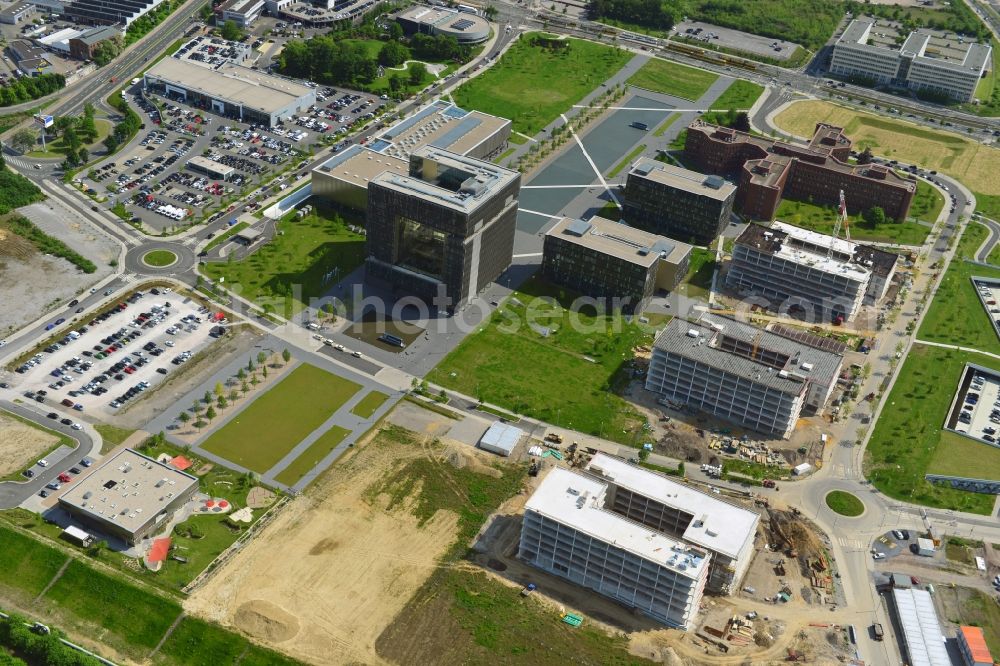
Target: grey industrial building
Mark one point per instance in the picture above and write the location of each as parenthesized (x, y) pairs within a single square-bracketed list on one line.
[(242, 12), (678, 203), (569, 531), (108, 12), (798, 269), (128, 496), (610, 261), (927, 60), (210, 168), (753, 377), (17, 13), (230, 90), (466, 28), (344, 177), (445, 228), (682, 511)]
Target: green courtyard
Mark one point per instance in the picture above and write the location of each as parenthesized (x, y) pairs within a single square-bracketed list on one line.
[(305, 258), (273, 424), (534, 82), (740, 95), (536, 357)]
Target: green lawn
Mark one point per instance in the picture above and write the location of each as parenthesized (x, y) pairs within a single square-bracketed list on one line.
[(265, 431), (58, 148), (318, 450), (927, 203), (195, 642), (665, 125), (118, 607), (112, 435), (671, 78), (159, 258), (908, 440), (698, 281), (823, 219), (626, 161), (292, 268), (956, 315), (844, 503), (740, 95), (226, 235), (369, 404), (532, 85), (568, 377), (961, 456), (26, 566)]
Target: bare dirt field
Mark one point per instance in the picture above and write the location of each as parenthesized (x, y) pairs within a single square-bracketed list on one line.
[(330, 573), (20, 444)]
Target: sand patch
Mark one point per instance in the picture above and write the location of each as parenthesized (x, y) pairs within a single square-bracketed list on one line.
[(266, 621), (21, 445)]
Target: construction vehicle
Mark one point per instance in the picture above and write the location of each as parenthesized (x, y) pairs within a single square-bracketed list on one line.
[(533, 470), (553, 437), (528, 589)]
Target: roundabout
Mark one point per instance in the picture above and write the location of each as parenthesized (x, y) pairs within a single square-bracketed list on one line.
[(159, 258)]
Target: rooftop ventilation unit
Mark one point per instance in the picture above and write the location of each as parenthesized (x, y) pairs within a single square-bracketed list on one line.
[(692, 333)]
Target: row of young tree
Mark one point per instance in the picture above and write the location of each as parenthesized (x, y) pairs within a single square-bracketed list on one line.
[(28, 88)]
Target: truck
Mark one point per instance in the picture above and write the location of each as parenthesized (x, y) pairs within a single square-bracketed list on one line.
[(528, 589)]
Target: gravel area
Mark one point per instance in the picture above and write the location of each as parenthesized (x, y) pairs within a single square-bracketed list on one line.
[(35, 283)]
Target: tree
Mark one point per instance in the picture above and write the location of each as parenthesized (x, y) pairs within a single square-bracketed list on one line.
[(244, 388), (250, 365), (231, 31), (199, 424), (233, 396), (261, 358), (263, 371), (418, 72), (84, 155), (395, 31), (286, 355), (491, 12), (865, 157), (207, 398), (23, 140), (741, 122), (210, 413), (396, 82), (184, 417), (221, 402), (393, 54), (218, 388), (241, 375), (874, 216)]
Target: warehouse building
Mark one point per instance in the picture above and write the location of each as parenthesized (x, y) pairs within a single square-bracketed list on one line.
[(569, 532), (345, 176), (108, 12), (501, 438), (725, 530), (675, 202), (230, 90), (17, 13), (443, 230), (466, 28), (128, 496), (621, 266), (797, 269), (923, 642), (927, 60), (767, 170), (210, 168), (755, 378)]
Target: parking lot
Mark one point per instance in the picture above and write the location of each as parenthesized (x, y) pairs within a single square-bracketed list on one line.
[(111, 358), (976, 412), (989, 297), (714, 35), (156, 189)]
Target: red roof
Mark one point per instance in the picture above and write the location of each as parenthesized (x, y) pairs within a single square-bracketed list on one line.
[(159, 550), (181, 463), (977, 645)]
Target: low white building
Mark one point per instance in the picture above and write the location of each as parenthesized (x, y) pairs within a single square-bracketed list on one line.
[(501, 438)]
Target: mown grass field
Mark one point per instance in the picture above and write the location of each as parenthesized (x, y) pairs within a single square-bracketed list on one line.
[(532, 85), (309, 458), (267, 429), (369, 404), (740, 95), (956, 316), (698, 281), (972, 163), (824, 218), (26, 566), (531, 358), (908, 440), (672, 78), (844, 503)]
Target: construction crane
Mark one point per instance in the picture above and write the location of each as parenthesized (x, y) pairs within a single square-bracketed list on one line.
[(841, 221)]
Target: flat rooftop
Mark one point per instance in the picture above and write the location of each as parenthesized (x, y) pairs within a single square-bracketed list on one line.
[(717, 525), (924, 44), (620, 240), (921, 628), (230, 82), (480, 180), (713, 187), (127, 489), (577, 501), (806, 248), (711, 341), (359, 165), (440, 124), (205, 163)]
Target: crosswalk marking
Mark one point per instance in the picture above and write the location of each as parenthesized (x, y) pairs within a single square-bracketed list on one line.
[(17, 162), (851, 543)]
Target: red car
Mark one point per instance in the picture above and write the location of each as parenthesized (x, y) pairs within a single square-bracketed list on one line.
[(65, 478)]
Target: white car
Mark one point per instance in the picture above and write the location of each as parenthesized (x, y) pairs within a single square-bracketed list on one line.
[(43, 463), (76, 426), (2, 343), (169, 343), (878, 556)]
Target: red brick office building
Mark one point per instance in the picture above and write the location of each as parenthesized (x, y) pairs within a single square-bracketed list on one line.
[(767, 170)]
